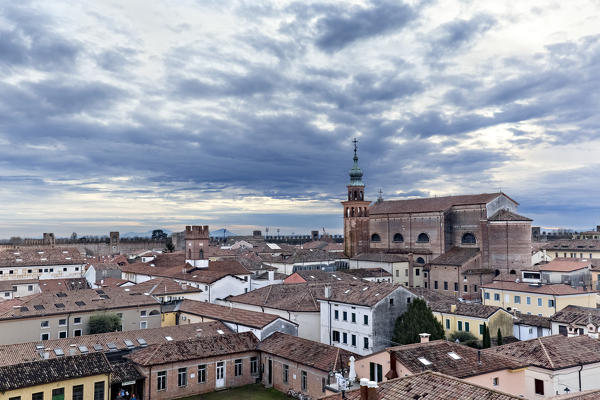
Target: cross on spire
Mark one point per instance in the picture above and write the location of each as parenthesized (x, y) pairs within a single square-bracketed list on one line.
[(355, 141)]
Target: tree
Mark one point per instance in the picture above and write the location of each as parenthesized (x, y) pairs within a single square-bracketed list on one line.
[(169, 247), (466, 338), (74, 236), (499, 338), (102, 323), (487, 342), (158, 234), (418, 318)]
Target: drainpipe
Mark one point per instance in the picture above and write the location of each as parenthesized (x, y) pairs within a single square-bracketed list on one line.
[(149, 384), (580, 369), (329, 303)]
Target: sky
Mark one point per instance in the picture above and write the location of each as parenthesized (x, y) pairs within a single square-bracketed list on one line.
[(132, 115)]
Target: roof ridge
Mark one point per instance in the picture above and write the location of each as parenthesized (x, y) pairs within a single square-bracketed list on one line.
[(158, 346), (546, 352), (268, 294)]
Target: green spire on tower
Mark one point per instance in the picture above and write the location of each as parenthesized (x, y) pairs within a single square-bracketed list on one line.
[(356, 173)]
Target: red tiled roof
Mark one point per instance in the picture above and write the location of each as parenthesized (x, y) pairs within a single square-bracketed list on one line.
[(306, 352), (369, 273), (565, 265), (360, 293), (57, 285), (162, 286), (558, 289), (506, 215), (456, 256), (299, 297), (431, 204), (216, 270)]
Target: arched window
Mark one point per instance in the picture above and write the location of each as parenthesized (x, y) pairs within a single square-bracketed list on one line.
[(468, 238), (375, 238), (420, 260), (423, 238), (398, 238), (154, 312), (513, 272)]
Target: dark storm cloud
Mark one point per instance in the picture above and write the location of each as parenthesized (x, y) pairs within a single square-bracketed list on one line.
[(458, 34), (346, 26)]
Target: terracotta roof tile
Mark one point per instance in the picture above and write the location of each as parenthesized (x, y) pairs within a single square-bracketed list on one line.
[(456, 256), (532, 320), (430, 385), (566, 265), (41, 372), (369, 273), (467, 309), (577, 315), (553, 352), (124, 371), (299, 297), (506, 215), (216, 270), (556, 289), (25, 352), (197, 348), (162, 286), (437, 353), (227, 314), (360, 293), (319, 276), (58, 285), (31, 256), (307, 352), (431, 204), (580, 245)]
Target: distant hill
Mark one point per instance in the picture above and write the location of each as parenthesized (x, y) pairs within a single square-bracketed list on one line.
[(147, 234), (219, 233)]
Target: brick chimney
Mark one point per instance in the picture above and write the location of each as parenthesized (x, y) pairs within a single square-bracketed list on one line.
[(424, 337), (364, 382), (453, 308), (372, 391)]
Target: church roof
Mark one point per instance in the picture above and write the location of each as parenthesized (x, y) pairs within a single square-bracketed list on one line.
[(506, 215), (456, 256), (431, 204)]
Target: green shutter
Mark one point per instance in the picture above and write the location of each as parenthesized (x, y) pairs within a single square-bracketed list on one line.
[(372, 371)]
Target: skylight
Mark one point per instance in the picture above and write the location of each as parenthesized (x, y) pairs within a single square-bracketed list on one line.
[(129, 343), (39, 307), (59, 352), (169, 338), (142, 342), (98, 347), (454, 356), (365, 288), (83, 349), (424, 361), (347, 291), (111, 346), (220, 332)]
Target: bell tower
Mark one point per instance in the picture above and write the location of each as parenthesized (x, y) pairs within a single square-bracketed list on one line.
[(356, 213)]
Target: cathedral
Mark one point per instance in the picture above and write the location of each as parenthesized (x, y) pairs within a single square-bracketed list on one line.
[(461, 241)]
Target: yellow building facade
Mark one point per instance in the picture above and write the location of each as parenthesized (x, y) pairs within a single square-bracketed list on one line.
[(545, 300), (62, 390), (467, 318)]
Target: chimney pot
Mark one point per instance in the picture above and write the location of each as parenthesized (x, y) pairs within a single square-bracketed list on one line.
[(372, 390), (424, 337), (453, 308), (364, 382)]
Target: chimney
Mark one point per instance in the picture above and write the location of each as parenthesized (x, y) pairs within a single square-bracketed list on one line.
[(478, 356), (327, 291), (453, 308), (364, 382), (372, 390), (424, 337), (271, 275)]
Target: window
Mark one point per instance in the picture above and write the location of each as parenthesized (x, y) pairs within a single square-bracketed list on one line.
[(468, 238), (517, 299), (447, 324), (465, 289), (539, 386), (345, 338), (99, 391), (481, 329), (19, 398), (353, 340), (539, 302), (335, 336), (495, 381), (550, 303), (391, 302), (456, 286), (366, 319), (238, 367), (486, 295), (143, 313), (398, 238), (366, 343), (435, 285), (44, 324), (528, 300), (202, 373), (420, 260), (336, 314), (397, 273), (375, 372), (345, 316), (143, 324), (44, 336), (304, 380), (161, 380), (77, 332), (30, 288), (62, 334), (466, 326), (286, 373), (37, 396), (182, 377), (58, 394), (353, 318), (496, 296), (445, 285), (62, 322), (460, 325), (375, 238), (417, 272), (423, 238), (253, 365), (77, 320)]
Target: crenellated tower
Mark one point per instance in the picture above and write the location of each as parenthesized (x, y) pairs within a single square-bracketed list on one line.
[(356, 212)]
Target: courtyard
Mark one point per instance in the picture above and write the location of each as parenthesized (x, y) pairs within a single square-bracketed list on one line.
[(249, 392)]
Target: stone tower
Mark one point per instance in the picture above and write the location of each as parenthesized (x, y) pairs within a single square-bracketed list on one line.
[(114, 243), (196, 243), (49, 239), (356, 213)]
